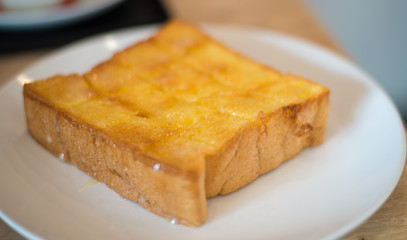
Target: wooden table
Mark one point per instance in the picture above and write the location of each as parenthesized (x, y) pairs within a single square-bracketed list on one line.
[(288, 16)]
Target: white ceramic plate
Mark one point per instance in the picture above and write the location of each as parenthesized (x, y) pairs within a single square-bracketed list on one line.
[(53, 15), (324, 192)]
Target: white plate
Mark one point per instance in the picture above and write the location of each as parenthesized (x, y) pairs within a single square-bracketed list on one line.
[(324, 192), (53, 15)]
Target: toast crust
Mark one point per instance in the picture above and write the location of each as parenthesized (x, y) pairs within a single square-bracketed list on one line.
[(170, 165), (265, 144), (122, 167)]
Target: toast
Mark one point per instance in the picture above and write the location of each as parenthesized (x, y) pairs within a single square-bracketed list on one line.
[(175, 119)]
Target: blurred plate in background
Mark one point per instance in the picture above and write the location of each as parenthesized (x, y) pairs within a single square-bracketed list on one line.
[(53, 15)]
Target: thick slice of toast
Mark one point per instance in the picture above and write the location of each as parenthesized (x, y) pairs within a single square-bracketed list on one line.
[(175, 119)]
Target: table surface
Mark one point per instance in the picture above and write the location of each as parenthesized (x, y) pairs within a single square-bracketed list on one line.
[(290, 17)]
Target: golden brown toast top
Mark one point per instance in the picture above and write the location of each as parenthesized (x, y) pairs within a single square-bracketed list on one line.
[(177, 96)]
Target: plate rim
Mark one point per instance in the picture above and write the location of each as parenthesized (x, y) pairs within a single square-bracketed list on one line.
[(71, 14)]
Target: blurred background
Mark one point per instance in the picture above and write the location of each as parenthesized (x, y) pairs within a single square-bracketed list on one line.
[(374, 34)]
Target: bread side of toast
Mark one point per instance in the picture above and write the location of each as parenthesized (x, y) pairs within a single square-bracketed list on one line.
[(165, 190), (175, 119)]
